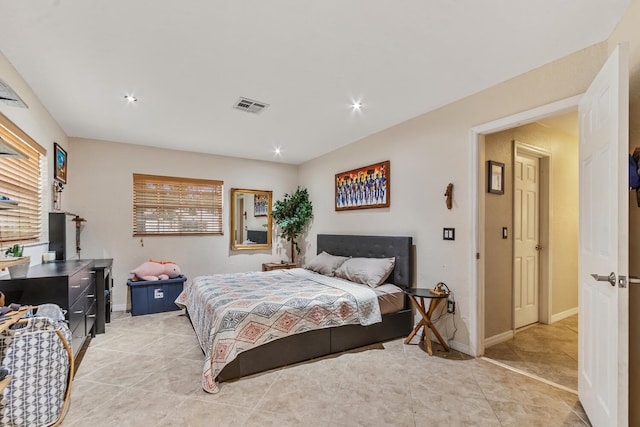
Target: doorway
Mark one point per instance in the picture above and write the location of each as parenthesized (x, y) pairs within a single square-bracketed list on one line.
[(548, 270)]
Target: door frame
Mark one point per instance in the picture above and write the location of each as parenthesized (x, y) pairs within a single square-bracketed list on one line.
[(477, 180), (545, 188)]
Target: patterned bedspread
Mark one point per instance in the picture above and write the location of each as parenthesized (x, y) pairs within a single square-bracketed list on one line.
[(232, 313)]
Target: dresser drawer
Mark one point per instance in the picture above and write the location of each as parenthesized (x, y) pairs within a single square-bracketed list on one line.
[(90, 318), (77, 312), (79, 282)]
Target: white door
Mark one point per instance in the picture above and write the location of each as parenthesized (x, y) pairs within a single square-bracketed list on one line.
[(603, 336), (525, 239)]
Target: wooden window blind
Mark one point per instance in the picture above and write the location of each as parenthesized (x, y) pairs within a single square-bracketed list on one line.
[(170, 206), (21, 181)]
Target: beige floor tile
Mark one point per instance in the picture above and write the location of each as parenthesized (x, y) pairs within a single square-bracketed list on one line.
[(196, 413), (147, 370), (548, 351), (131, 408), (126, 369), (461, 411), (512, 414), (244, 392), (269, 419)]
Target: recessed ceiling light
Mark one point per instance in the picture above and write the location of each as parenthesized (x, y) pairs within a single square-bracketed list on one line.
[(277, 151), (130, 98), (356, 105)]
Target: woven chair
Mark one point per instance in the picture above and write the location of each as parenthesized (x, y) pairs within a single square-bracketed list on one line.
[(37, 354)]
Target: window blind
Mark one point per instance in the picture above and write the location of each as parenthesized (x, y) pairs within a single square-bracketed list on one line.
[(21, 181), (164, 205)]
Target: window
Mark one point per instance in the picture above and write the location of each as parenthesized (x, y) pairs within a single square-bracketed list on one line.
[(21, 164), (169, 206)]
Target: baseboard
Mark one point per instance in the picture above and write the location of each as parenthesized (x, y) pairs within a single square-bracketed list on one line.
[(119, 307), (497, 339), (462, 348), (564, 314)]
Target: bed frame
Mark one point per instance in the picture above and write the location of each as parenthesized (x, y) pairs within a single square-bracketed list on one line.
[(318, 343)]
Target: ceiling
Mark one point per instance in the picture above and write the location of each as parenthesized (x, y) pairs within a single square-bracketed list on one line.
[(189, 61)]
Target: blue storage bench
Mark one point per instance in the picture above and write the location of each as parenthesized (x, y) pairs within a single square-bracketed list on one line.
[(155, 296)]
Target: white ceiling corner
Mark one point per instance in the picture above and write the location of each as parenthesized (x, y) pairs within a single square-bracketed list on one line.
[(189, 61)]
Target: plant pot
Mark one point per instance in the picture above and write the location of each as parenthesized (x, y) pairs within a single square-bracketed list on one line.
[(19, 271)]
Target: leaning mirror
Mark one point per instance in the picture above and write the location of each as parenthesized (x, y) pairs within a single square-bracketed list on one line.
[(250, 219)]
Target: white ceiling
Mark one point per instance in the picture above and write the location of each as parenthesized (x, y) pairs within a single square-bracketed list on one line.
[(188, 62)]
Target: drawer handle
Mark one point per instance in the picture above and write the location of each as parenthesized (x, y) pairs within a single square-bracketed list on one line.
[(78, 312), (91, 315), (75, 287), (92, 272), (91, 296), (85, 278)]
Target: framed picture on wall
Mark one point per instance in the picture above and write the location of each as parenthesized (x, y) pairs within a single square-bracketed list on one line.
[(363, 188), (495, 177), (260, 204), (60, 168)]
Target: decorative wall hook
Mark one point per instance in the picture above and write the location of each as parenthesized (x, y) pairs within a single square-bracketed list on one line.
[(449, 195), (57, 194)]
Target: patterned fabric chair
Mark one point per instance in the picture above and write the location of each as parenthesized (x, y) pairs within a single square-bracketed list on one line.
[(37, 354)]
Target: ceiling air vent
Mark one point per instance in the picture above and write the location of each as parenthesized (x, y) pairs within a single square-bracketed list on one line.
[(9, 97), (249, 105)]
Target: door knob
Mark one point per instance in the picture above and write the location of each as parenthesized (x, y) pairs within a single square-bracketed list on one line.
[(538, 247), (611, 278)]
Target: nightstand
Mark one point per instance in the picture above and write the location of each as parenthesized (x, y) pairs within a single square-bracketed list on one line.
[(268, 266), (417, 297)]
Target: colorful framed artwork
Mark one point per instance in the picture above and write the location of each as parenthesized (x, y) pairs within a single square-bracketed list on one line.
[(260, 204), (495, 177), (60, 167), (364, 188)]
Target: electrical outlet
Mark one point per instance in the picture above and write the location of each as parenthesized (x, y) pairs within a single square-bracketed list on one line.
[(451, 306)]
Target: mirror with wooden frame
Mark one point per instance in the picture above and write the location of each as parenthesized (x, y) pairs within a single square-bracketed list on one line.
[(250, 219)]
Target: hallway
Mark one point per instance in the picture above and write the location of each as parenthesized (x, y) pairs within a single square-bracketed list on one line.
[(547, 351)]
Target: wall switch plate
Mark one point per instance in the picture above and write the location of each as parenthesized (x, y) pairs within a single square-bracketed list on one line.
[(505, 233), (448, 234)]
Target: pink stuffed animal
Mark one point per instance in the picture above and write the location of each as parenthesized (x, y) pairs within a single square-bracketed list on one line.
[(156, 270)]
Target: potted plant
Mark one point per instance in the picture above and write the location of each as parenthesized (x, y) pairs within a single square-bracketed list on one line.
[(19, 268), (291, 215), (14, 251)]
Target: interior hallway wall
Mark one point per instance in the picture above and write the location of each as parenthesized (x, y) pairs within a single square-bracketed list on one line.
[(563, 224)]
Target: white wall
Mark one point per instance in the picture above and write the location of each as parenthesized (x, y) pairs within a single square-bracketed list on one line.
[(103, 177), (426, 154), (36, 122)]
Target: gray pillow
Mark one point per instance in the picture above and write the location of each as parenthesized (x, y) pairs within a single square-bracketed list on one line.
[(368, 271), (325, 263)]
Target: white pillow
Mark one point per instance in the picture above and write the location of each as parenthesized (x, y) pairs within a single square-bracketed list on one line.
[(325, 263), (368, 271)]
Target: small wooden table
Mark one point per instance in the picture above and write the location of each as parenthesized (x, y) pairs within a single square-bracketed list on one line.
[(268, 266), (434, 300)]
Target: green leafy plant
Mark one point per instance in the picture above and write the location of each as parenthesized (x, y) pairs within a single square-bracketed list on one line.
[(291, 215), (14, 251)]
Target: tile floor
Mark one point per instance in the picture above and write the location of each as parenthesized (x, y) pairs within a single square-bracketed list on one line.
[(548, 351), (145, 371)]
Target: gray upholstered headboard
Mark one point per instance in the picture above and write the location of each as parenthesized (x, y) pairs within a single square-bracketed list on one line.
[(373, 247)]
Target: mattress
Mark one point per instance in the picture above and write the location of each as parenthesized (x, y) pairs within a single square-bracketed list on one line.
[(390, 298)]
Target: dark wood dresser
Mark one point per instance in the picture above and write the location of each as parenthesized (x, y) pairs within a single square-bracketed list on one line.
[(69, 284), (104, 286)]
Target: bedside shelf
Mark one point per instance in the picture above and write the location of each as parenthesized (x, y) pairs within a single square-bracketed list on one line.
[(269, 266)]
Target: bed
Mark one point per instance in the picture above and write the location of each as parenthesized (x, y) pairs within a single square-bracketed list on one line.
[(350, 319)]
